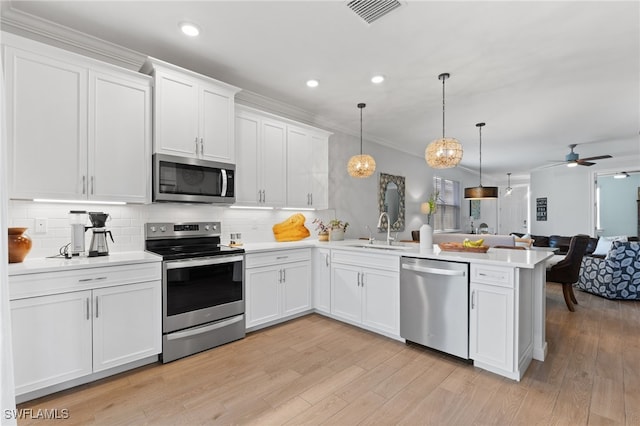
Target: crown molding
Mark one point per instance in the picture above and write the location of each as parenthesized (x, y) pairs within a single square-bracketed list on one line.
[(39, 29)]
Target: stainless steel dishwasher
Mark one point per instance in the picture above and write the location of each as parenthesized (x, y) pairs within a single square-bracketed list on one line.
[(434, 304)]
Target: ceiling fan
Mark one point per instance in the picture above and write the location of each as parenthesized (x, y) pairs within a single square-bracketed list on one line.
[(573, 159)]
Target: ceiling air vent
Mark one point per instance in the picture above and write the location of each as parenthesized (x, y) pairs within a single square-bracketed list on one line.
[(372, 10)]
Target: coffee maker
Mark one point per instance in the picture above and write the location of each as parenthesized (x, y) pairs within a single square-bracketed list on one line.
[(99, 245)]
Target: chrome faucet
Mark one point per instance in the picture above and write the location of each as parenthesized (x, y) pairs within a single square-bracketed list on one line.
[(389, 239), (371, 239)]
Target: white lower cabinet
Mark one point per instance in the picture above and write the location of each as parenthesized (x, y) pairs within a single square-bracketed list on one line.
[(61, 335), (491, 325), (365, 291), (51, 339), (501, 319), (278, 285), (322, 280)]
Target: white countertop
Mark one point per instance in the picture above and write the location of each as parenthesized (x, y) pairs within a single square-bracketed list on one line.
[(46, 264), (504, 257)]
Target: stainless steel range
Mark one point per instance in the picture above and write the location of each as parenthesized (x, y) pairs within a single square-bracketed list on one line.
[(202, 287)]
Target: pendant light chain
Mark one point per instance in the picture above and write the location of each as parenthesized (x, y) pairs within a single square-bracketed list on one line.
[(480, 128), (360, 128), (443, 79)]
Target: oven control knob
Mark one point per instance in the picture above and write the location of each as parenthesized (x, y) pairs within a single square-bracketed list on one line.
[(163, 229), (207, 228), (215, 227), (152, 228)]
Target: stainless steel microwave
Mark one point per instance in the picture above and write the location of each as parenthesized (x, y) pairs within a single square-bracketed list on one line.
[(191, 180)]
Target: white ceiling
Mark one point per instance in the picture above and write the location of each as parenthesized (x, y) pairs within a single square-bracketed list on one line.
[(541, 74)]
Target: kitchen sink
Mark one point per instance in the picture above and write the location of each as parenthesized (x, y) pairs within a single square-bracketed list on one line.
[(380, 247)]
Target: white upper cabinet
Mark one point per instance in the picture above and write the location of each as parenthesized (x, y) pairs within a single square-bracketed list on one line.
[(76, 128), (279, 162), (193, 114)]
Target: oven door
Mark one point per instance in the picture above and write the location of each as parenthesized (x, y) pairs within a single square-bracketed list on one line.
[(201, 290)]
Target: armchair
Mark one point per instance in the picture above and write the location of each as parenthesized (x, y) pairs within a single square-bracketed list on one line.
[(617, 276)]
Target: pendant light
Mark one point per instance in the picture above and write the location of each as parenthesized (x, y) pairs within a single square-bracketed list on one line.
[(481, 192), (443, 153), (509, 190), (363, 165)]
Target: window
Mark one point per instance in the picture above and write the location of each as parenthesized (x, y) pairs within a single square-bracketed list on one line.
[(447, 216)]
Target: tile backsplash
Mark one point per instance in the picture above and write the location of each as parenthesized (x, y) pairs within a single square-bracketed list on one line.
[(127, 222)]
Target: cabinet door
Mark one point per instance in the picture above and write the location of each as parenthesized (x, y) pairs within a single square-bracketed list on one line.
[(216, 124), (296, 288), (46, 107), (273, 163), (119, 138), (320, 172), (176, 115), (491, 322), (51, 339), (345, 292), (247, 145), (263, 295), (381, 301), (322, 280), (127, 324), (299, 161)]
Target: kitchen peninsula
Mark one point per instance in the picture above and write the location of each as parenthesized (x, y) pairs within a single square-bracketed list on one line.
[(506, 295)]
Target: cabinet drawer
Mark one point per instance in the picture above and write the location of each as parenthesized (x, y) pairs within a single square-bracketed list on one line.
[(493, 275), (255, 260), (41, 284), (387, 262)]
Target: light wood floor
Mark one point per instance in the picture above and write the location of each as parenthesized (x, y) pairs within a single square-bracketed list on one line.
[(318, 371)]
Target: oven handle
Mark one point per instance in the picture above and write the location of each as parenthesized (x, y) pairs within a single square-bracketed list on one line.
[(204, 329), (189, 263)]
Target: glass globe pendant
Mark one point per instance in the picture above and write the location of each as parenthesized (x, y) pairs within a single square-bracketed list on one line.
[(443, 153), (363, 165)]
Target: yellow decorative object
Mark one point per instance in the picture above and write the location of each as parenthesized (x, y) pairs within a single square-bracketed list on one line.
[(291, 229), (469, 243)]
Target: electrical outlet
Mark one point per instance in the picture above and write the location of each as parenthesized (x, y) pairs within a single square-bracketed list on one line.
[(41, 225)]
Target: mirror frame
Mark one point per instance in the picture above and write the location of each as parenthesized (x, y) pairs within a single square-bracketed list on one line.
[(385, 179)]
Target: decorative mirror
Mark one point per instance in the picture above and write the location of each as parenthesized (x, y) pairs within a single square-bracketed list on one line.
[(391, 202)]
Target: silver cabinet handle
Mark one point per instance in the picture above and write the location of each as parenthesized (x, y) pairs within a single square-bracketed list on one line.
[(280, 276), (84, 280), (311, 198), (284, 275), (473, 298), (281, 257), (259, 196), (88, 309), (84, 185), (196, 141), (358, 279), (92, 179), (326, 259), (264, 196), (362, 279), (201, 146), (97, 307)]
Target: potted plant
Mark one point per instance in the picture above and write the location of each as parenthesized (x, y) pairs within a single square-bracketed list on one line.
[(323, 230), (338, 229)]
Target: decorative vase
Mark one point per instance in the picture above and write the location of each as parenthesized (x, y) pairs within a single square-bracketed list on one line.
[(323, 236), (336, 235), (426, 237), (19, 245)]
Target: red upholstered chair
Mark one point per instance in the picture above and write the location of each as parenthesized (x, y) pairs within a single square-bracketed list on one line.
[(566, 272)]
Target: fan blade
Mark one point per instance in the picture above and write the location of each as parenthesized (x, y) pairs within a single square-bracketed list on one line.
[(599, 157), (584, 163)]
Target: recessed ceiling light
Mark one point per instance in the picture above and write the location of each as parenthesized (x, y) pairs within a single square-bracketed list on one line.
[(189, 29), (377, 79), (313, 83)]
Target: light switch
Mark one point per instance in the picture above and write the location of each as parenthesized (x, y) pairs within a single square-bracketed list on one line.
[(41, 225)]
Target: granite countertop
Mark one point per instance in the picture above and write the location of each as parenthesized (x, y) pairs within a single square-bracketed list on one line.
[(46, 264), (499, 257)]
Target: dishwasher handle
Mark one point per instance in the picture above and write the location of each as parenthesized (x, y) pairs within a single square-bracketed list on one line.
[(434, 271)]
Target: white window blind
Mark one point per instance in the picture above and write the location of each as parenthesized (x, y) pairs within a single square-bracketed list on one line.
[(447, 216)]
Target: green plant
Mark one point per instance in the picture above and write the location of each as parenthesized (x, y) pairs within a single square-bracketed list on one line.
[(338, 224), (430, 206)]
